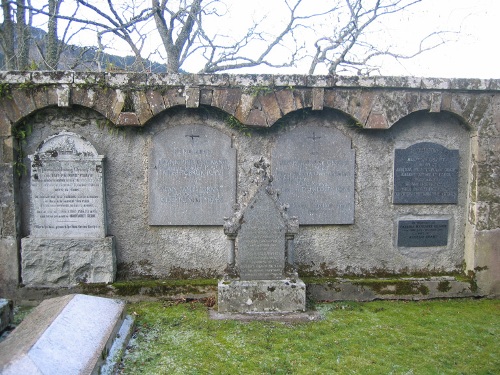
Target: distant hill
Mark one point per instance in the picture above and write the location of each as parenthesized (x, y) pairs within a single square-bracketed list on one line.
[(83, 58)]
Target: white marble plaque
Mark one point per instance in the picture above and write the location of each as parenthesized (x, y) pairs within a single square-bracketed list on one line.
[(192, 176), (67, 189)]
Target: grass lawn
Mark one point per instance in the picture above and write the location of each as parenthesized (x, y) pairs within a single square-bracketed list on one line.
[(382, 337)]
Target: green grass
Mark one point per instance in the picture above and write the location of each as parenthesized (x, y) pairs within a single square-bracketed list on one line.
[(383, 337)]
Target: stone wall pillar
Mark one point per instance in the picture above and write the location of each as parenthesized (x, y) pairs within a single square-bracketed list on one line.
[(9, 254)]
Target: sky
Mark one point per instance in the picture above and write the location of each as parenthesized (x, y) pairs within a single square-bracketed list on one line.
[(471, 51), (476, 53)]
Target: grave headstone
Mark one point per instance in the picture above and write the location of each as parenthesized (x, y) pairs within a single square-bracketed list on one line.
[(65, 335), (261, 276), (313, 168), (67, 243), (422, 233), (67, 189), (426, 173), (192, 176)]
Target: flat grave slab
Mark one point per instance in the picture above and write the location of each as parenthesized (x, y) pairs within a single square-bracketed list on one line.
[(65, 335)]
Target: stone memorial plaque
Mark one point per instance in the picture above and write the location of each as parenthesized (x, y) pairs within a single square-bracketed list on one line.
[(426, 173), (313, 168), (192, 176), (67, 189), (261, 240), (423, 233)]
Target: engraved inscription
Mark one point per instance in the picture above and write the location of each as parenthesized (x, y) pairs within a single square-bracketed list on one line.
[(261, 241), (67, 189), (192, 177), (422, 233), (426, 173), (313, 168)]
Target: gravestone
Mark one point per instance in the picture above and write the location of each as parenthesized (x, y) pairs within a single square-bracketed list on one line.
[(64, 335), (260, 276), (192, 176), (313, 167), (422, 233), (426, 173), (67, 243)]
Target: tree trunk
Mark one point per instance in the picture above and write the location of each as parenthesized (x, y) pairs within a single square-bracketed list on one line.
[(52, 51), (8, 37), (23, 37)]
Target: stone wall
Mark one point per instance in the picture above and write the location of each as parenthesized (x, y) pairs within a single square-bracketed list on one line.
[(121, 113)]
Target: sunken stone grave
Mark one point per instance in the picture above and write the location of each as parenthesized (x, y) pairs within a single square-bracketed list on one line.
[(65, 335), (260, 276), (68, 243)]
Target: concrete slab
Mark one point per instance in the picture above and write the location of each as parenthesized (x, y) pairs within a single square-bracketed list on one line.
[(292, 317), (261, 296), (66, 335)]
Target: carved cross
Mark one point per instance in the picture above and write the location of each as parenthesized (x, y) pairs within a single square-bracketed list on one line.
[(314, 137), (192, 136)]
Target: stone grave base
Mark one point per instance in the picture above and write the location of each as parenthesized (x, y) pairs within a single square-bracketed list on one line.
[(64, 262), (5, 313), (261, 296), (72, 334)]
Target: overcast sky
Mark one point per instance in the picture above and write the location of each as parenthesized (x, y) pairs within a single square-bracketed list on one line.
[(477, 52), (473, 54)]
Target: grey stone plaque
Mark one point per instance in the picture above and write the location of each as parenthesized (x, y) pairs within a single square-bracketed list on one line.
[(67, 190), (423, 233), (261, 240), (313, 168), (426, 173), (192, 176)]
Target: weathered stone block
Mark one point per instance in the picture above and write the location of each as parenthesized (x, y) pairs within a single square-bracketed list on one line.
[(261, 296), (48, 77), (63, 96), (141, 106), (56, 262), (487, 262), (192, 97), (9, 260), (155, 101)]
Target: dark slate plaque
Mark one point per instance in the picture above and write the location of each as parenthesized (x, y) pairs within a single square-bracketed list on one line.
[(313, 168), (192, 176), (261, 240), (426, 173), (422, 233)]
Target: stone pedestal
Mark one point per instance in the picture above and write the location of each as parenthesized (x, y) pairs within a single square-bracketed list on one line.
[(56, 262), (251, 296)]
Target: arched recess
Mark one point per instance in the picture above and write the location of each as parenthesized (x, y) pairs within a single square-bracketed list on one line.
[(451, 131)]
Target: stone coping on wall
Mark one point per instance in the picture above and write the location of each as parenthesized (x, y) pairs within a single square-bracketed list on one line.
[(132, 99), (122, 80)]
